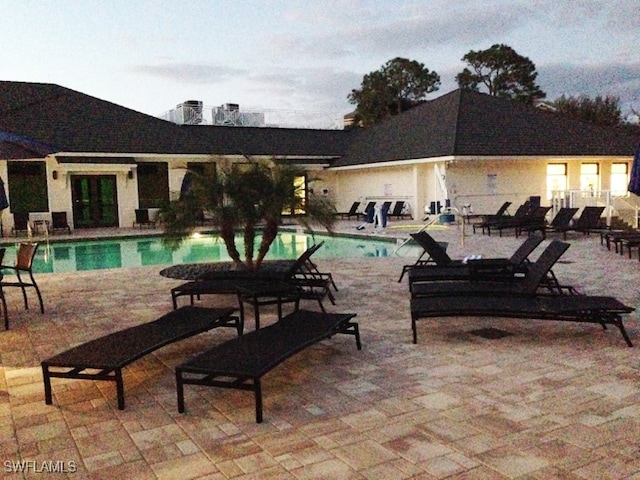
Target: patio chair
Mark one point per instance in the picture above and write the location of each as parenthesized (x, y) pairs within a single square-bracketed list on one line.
[(240, 363), (399, 210), (104, 358), (310, 286), (435, 252), (23, 265), (533, 219), (590, 220), (538, 276), (494, 269), (487, 219), (561, 223), (59, 222), (353, 211), (601, 310), (142, 218), (20, 223)]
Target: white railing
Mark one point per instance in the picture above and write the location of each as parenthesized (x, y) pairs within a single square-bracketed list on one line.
[(614, 203), (253, 117)]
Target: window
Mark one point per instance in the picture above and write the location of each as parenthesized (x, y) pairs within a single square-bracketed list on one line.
[(619, 179), (589, 177), (300, 185), (556, 178)]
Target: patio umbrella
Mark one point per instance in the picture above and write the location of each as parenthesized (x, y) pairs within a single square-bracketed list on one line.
[(634, 180)]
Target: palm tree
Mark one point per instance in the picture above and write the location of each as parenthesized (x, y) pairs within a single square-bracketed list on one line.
[(247, 197)]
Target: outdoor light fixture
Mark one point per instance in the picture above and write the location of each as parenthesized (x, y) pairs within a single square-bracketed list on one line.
[(130, 175), (55, 174)]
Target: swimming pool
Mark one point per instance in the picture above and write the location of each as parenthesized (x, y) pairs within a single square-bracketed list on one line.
[(146, 251)]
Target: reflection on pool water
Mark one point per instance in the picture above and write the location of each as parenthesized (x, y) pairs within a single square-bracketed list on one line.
[(146, 251)]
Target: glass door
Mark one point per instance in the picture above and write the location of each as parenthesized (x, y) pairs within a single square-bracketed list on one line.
[(95, 201)]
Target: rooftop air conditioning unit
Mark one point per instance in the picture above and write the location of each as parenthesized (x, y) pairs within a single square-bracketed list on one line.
[(190, 112)]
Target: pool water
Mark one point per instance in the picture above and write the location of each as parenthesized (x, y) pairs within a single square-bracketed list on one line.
[(146, 251)]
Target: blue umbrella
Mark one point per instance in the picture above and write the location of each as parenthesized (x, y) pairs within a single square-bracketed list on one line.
[(4, 202), (634, 180)]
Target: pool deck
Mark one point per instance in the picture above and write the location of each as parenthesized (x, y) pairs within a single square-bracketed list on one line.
[(551, 400)]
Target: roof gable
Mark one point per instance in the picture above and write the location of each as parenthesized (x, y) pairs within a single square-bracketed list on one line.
[(467, 123)]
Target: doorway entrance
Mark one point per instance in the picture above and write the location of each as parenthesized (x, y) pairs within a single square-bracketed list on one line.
[(95, 201)]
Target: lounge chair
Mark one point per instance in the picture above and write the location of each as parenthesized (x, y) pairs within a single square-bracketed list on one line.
[(477, 219), (561, 223), (495, 269), (531, 221), (310, 286), (20, 223), (399, 210), (104, 358), (487, 220), (353, 211), (142, 218), (433, 252), (59, 222), (537, 277), (590, 220), (569, 308), (240, 363), (23, 265)]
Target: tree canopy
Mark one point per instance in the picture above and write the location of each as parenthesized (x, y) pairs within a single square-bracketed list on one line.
[(398, 85), (246, 197), (603, 111), (502, 72)]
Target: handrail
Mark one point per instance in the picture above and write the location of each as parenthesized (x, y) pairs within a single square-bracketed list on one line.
[(422, 229)]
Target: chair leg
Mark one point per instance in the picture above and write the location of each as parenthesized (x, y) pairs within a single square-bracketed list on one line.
[(35, 285), (24, 290)]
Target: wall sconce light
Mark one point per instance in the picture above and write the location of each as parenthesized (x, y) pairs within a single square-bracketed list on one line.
[(55, 174), (130, 175)]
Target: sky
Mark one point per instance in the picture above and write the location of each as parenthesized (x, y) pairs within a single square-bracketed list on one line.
[(307, 55)]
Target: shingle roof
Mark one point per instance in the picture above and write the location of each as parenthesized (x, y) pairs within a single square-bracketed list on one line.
[(461, 123), (74, 122), (467, 123)]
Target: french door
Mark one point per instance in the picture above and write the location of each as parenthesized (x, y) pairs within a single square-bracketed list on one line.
[(95, 201)]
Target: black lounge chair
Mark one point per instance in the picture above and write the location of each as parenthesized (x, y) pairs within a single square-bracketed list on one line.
[(590, 220), (477, 219), (59, 222), (353, 211), (539, 275), (433, 252), (495, 269), (105, 357), (561, 223), (488, 220), (399, 210), (531, 220), (23, 266), (310, 285), (241, 362), (143, 219), (20, 223), (569, 308)]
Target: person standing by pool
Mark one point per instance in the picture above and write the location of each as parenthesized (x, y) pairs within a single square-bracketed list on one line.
[(376, 216)]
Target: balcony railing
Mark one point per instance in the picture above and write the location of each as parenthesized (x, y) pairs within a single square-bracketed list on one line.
[(195, 114)]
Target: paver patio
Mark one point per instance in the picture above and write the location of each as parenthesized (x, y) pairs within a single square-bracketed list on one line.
[(549, 400)]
